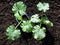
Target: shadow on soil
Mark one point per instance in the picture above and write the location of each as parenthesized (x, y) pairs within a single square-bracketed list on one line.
[(49, 40)]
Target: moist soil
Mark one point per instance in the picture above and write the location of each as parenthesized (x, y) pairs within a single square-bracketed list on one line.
[(7, 18)]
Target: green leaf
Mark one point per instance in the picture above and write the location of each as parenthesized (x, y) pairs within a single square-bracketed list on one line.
[(43, 6), (19, 17), (48, 23), (12, 33), (19, 7), (43, 29), (38, 32), (45, 21), (26, 26), (35, 18)]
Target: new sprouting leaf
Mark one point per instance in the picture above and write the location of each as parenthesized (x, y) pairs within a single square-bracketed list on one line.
[(43, 6), (26, 26), (43, 29), (38, 32), (12, 33), (35, 18), (45, 21), (19, 7), (19, 17), (48, 23)]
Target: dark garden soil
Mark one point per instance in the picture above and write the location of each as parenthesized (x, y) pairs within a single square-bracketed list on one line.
[(7, 18)]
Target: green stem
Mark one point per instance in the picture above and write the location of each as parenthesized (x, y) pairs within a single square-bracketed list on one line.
[(40, 24), (17, 24), (42, 13)]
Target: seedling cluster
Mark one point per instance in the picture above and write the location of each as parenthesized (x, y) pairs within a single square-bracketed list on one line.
[(34, 24)]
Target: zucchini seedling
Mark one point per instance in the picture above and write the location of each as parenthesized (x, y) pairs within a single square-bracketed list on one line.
[(34, 24)]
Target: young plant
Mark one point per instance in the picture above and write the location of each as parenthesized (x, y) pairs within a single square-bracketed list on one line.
[(33, 25)]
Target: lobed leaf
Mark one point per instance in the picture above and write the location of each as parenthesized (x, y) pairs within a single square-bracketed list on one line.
[(26, 26), (35, 18), (38, 32), (12, 33), (19, 7), (43, 6)]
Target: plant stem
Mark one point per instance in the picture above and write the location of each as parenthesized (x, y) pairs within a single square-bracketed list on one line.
[(17, 24), (44, 15), (40, 24), (27, 16)]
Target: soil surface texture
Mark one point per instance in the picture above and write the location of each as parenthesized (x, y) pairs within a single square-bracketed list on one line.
[(7, 18)]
